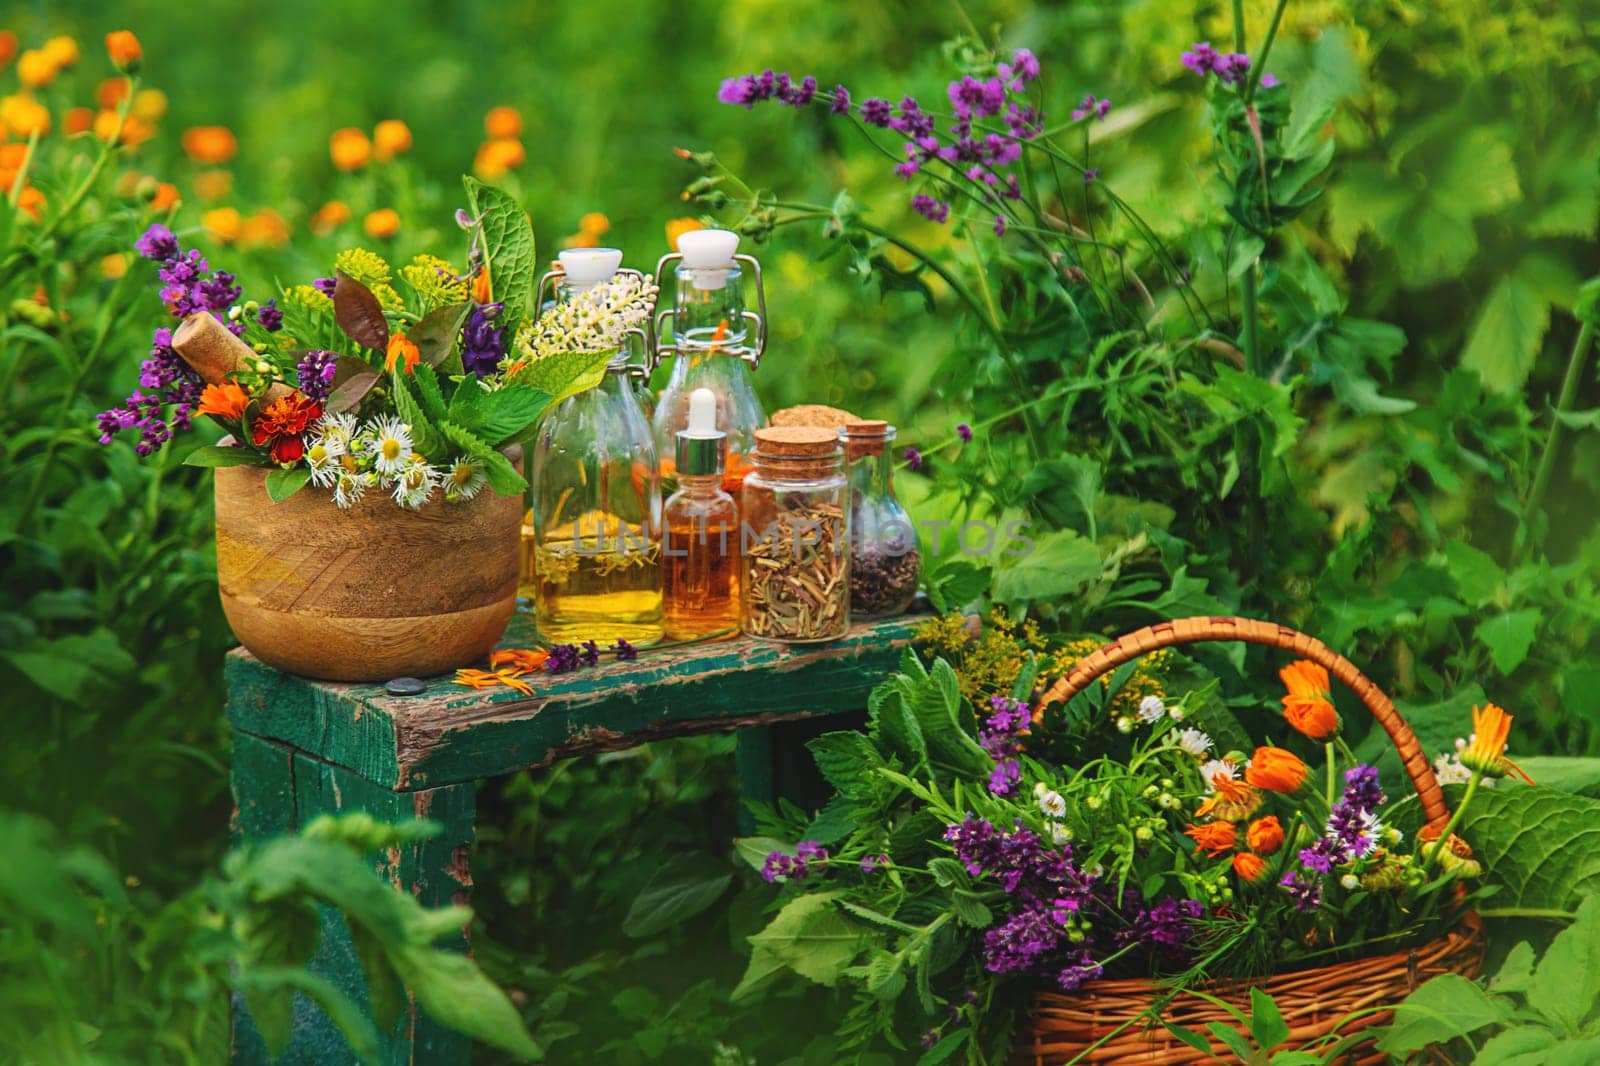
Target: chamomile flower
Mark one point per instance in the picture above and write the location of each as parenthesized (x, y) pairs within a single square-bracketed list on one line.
[(1151, 708), (350, 487), (324, 467), (391, 447), (1448, 769), (464, 480), (1193, 741), (337, 434), (414, 485), (1052, 804), (1060, 834), (1212, 767)]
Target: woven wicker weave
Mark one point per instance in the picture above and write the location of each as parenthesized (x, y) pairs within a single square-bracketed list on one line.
[(1103, 1022)]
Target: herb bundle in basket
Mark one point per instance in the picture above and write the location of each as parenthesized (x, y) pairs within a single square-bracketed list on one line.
[(1099, 874)]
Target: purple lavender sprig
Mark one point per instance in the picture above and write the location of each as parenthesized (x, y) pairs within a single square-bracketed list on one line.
[(315, 372), (483, 340), (1001, 736)]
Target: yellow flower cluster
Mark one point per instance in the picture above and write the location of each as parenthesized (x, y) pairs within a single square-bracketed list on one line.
[(1146, 679), (371, 270), (307, 298), (434, 280)]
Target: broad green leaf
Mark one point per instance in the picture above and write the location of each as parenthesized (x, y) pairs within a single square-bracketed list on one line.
[(283, 483), (1060, 563), (385, 994), (1568, 773), (681, 888), (211, 455), (1542, 846), (1566, 984), (1477, 576), (1507, 334), (1267, 1026), (426, 383), (503, 477), (496, 416), (971, 910), (886, 978), (1526, 1045), (75, 665), (954, 583), (945, 1049), (564, 374), (271, 989), (754, 850), (785, 941), (1447, 1007), (1516, 971), (1508, 637), (847, 760), (508, 247), (455, 993)]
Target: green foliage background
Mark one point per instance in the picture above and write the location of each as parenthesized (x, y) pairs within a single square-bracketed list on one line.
[(1462, 209)]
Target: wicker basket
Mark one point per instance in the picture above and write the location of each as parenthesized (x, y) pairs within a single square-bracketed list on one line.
[(1102, 1023)]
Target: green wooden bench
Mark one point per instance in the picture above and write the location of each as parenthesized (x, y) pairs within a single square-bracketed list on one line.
[(303, 748)]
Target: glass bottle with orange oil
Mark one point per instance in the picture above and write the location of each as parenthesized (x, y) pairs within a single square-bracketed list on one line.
[(700, 552), (718, 343)]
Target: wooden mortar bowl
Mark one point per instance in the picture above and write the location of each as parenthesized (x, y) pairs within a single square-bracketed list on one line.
[(375, 592)]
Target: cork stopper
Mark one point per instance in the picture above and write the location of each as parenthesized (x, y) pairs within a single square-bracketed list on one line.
[(865, 437), (813, 414), (800, 442)]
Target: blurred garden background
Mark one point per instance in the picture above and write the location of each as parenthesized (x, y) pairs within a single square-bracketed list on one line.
[(1460, 210)]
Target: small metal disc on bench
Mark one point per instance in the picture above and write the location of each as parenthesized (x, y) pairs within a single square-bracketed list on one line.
[(405, 686)]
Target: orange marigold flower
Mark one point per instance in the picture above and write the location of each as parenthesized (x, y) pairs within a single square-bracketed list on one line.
[(213, 185), (329, 217), (35, 69), (497, 158), (209, 144), (109, 93), (1308, 706), (24, 116), (166, 197), (1214, 838), (1250, 868), (382, 223), (1486, 751), (1265, 835), (595, 224), (349, 148), (526, 659), (223, 222), (280, 426), (63, 51), (31, 201), (401, 350), (482, 291), (77, 120), (150, 104), (678, 227), (224, 400), (123, 48), (8, 47), (389, 138), (264, 229), (1276, 770), (113, 266), (502, 123)]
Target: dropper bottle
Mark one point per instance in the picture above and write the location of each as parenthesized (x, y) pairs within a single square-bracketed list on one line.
[(700, 560)]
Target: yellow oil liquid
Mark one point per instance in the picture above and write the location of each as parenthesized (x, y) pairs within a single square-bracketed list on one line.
[(599, 587), (526, 586)]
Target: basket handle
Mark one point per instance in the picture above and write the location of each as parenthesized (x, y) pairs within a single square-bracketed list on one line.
[(1130, 646)]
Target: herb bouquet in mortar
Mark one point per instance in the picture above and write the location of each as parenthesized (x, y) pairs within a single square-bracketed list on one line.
[(369, 491)]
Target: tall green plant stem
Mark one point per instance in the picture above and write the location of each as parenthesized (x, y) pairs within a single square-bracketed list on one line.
[(99, 164), (1455, 819), (1251, 340), (1577, 364)]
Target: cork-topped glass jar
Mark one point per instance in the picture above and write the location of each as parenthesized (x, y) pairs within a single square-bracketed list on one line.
[(884, 561), (795, 558)]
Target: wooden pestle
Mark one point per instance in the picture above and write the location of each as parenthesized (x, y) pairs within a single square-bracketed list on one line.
[(214, 352)]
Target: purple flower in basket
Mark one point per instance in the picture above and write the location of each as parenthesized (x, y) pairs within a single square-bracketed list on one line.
[(315, 373)]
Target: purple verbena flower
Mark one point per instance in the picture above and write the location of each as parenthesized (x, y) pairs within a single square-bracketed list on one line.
[(1203, 60), (913, 459), (315, 373), (270, 315), (563, 659), (929, 208), (963, 430), (840, 105), (626, 653), (876, 111), (871, 864), (157, 243), (1023, 68), (1091, 106), (483, 342), (797, 867)]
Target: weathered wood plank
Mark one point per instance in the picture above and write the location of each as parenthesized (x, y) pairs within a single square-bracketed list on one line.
[(451, 735)]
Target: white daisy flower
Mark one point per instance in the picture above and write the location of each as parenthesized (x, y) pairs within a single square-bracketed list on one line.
[(337, 433), (349, 487), (1211, 768), (1052, 804), (1193, 741), (391, 447), (413, 487), (324, 467), (1060, 834), (464, 480), (1151, 709)]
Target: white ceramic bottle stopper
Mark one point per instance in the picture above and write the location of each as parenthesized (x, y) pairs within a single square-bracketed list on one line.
[(709, 253), (587, 267)]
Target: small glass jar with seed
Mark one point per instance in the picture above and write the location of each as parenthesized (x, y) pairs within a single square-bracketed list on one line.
[(795, 537), (884, 561)]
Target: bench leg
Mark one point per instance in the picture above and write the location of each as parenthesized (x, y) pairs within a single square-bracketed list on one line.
[(774, 762), (277, 790)]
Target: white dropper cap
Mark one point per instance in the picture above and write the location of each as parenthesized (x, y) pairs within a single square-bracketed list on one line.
[(587, 267), (709, 253), (702, 448), (702, 413)]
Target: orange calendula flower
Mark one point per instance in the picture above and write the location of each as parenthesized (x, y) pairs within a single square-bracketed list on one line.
[(1309, 706), (389, 138), (210, 144), (329, 217), (24, 116), (224, 223), (497, 158), (225, 400), (401, 350), (77, 120), (109, 93), (1485, 752), (382, 223), (63, 51), (123, 48), (166, 197), (481, 289), (502, 123), (8, 47), (150, 104), (1214, 838), (264, 229), (1265, 835), (35, 69), (525, 659), (349, 148), (1250, 868), (31, 202), (678, 227), (484, 679), (1276, 770)]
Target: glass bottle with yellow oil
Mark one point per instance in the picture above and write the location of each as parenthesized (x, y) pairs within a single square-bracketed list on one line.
[(700, 557), (596, 498), (717, 342)]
